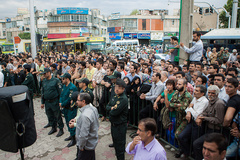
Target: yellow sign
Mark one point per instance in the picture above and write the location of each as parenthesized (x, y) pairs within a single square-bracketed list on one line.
[(95, 39)]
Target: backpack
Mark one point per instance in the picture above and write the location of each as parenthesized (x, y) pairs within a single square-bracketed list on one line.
[(17, 124)]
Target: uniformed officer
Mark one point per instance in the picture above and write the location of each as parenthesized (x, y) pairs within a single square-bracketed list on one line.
[(51, 90), (6, 73), (114, 78), (73, 112), (65, 102), (29, 80), (118, 111), (83, 85)]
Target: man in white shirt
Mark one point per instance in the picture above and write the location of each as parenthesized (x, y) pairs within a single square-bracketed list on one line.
[(219, 80), (196, 50), (196, 107), (233, 56)]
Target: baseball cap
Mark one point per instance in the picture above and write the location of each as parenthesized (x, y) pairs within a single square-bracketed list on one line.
[(115, 75), (83, 80), (121, 83), (66, 75), (46, 70)]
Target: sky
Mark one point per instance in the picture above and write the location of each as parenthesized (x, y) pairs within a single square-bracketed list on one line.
[(8, 8)]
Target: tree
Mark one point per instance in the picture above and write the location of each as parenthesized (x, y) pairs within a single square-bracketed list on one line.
[(24, 35), (222, 17), (134, 12)]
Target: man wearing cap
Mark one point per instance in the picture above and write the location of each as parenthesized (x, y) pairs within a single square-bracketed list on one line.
[(118, 111), (65, 101), (51, 91), (233, 56), (220, 53), (83, 85), (113, 78), (226, 54), (29, 80), (6, 74)]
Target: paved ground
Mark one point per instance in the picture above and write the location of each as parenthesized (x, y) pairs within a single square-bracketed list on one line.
[(53, 148)]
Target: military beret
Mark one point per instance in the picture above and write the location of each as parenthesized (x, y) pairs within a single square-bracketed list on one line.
[(121, 83)]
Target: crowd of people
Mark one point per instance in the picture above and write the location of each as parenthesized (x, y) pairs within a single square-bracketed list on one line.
[(194, 106)]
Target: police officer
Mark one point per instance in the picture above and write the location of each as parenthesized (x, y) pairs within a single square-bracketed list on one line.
[(6, 73), (73, 113), (29, 80), (118, 111), (65, 102), (114, 78), (51, 90), (83, 85)]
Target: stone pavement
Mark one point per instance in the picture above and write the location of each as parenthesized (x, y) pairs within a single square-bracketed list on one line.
[(53, 148)]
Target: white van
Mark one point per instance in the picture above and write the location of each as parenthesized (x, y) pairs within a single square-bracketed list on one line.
[(126, 43)]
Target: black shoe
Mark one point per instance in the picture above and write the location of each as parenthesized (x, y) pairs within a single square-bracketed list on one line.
[(48, 125), (110, 145), (178, 155), (68, 138), (72, 142), (60, 133), (53, 130)]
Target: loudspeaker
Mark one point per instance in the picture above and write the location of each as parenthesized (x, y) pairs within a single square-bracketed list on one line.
[(17, 124)]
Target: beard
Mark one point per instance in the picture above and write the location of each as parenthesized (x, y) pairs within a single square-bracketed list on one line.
[(180, 89)]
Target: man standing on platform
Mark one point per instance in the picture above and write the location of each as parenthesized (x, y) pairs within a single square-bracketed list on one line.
[(196, 50), (65, 102), (51, 90)]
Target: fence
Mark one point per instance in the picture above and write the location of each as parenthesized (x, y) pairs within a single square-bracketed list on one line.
[(136, 105)]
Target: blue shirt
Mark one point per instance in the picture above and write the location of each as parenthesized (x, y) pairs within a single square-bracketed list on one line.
[(152, 151), (129, 75), (195, 51)]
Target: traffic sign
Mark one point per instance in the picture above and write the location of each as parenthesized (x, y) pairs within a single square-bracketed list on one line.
[(17, 40)]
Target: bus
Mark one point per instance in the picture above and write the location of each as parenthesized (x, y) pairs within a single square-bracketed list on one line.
[(125, 43), (74, 44), (218, 38), (6, 48)]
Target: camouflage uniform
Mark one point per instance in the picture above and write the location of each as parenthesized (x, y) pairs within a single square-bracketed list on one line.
[(97, 92), (220, 55), (226, 55), (185, 99)]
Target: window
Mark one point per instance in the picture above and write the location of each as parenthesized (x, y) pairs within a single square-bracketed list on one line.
[(172, 22)]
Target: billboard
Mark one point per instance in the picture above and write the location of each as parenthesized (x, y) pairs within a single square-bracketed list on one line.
[(78, 24), (144, 36), (72, 10), (114, 29), (130, 35), (156, 36), (114, 36)]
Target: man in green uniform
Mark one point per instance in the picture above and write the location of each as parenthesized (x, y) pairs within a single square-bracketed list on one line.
[(118, 111), (65, 102), (179, 102), (6, 73), (51, 90), (29, 80), (83, 85), (114, 78)]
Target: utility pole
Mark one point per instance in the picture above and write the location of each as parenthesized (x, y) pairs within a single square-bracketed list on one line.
[(185, 27), (234, 13), (32, 28)]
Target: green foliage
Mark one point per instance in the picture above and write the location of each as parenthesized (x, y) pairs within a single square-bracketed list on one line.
[(134, 12), (222, 17), (24, 35)]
